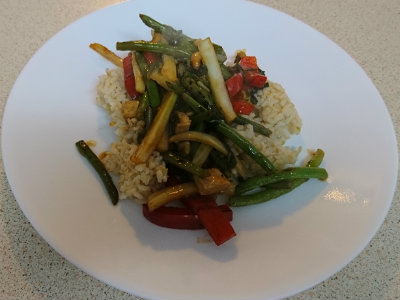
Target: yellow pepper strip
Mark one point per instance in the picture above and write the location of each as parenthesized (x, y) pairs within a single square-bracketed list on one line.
[(108, 54)]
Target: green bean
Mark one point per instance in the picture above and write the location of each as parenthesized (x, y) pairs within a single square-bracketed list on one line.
[(177, 52), (199, 93), (148, 117), (189, 100), (288, 174), (257, 127), (316, 158), (269, 194), (204, 88), (176, 87), (143, 104), (196, 106), (263, 196), (96, 163), (154, 96), (184, 164), (245, 145)]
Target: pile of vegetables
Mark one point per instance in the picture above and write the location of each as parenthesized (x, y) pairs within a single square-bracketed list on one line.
[(190, 100)]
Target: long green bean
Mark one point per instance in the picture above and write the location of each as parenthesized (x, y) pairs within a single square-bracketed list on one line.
[(196, 106), (245, 145), (148, 117), (143, 104), (189, 100), (96, 163), (154, 96), (184, 164), (199, 93), (257, 127), (269, 194), (288, 174)]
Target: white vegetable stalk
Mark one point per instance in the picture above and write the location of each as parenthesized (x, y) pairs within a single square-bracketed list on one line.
[(217, 81)]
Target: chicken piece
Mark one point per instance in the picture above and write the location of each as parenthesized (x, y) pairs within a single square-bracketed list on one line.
[(129, 109), (214, 183)]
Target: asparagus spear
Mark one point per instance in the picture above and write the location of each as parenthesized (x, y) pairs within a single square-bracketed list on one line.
[(173, 36), (176, 37)]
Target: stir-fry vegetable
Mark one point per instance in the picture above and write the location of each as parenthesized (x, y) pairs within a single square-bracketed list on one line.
[(245, 145), (212, 218), (269, 194), (96, 163), (108, 54), (216, 79), (288, 174), (170, 194), (180, 217), (199, 137), (156, 129), (256, 127), (191, 102)]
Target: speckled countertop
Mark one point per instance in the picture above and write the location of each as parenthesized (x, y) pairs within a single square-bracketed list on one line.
[(368, 30)]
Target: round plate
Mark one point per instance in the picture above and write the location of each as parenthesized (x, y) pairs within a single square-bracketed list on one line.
[(283, 246)]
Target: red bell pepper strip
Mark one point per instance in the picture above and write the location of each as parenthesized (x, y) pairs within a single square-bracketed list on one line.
[(197, 202), (180, 218), (252, 74), (217, 225), (234, 84), (151, 57), (129, 77), (255, 79), (219, 228), (248, 63), (242, 107)]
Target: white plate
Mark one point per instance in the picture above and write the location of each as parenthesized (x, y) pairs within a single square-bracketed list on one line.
[(283, 246)]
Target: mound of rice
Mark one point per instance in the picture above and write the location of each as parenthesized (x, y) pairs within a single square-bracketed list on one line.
[(274, 110)]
